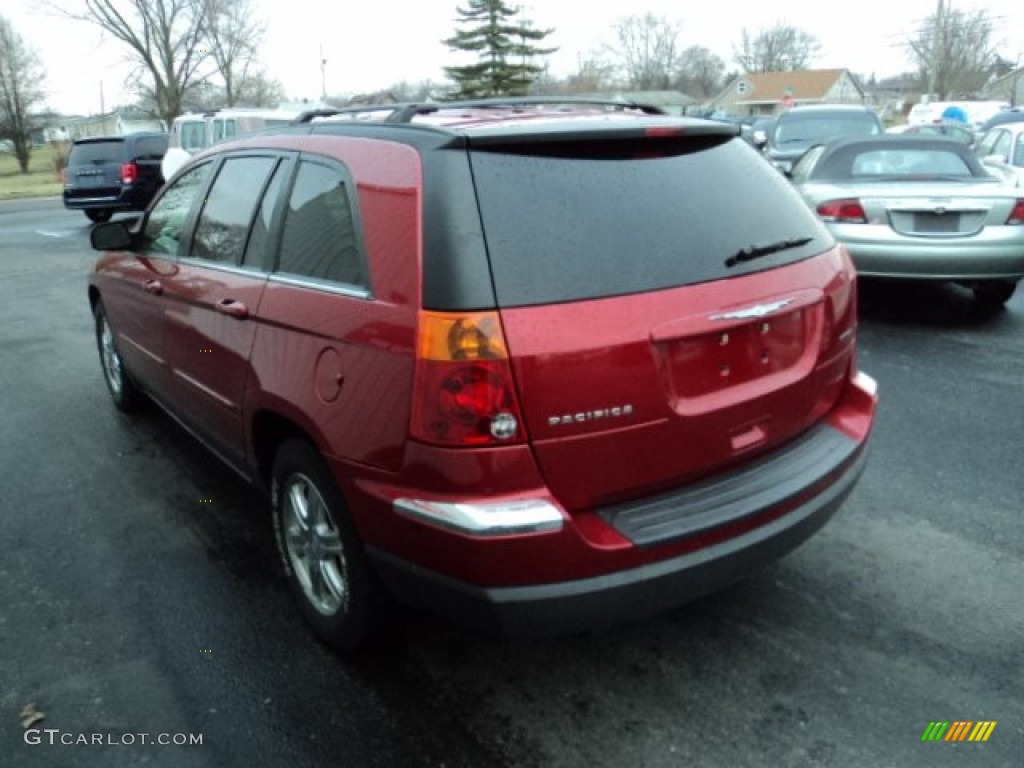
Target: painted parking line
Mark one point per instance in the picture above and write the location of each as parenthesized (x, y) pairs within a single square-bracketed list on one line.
[(46, 233)]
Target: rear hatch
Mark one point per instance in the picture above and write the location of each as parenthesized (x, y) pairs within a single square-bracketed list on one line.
[(94, 168), (671, 306)]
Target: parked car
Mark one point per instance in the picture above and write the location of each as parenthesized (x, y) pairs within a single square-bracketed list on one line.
[(918, 208), (761, 127), (802, 127), (533, 365), (1002, 152), (956, 131), (109, 174), (1011, 115)]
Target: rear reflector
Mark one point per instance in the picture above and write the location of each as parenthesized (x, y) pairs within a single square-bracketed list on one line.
[(1017, 214), (493, 518), (848, 211)]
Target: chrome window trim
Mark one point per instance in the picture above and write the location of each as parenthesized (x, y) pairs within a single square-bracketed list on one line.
[(344, 289)]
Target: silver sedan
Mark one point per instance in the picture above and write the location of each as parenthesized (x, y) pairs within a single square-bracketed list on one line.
[(919, 208)]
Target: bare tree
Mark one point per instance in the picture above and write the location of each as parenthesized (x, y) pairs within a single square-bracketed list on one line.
[(234, 34), (258, 89), (701, 72), (593, 74), (20, 92), (647, 51), (166, 40), (954, 52), (780, 48)]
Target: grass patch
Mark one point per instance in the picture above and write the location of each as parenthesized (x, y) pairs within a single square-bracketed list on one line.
[(40, 181)]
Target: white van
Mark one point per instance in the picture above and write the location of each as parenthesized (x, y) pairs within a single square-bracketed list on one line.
[(976, 112), (196, 131)]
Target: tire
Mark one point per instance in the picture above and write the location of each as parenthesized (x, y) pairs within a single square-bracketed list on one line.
[(99, 215), (994, 294), (323, 559), (126, 396)]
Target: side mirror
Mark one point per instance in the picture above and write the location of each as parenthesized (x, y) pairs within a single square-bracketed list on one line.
[(110, 236), (996, 161)]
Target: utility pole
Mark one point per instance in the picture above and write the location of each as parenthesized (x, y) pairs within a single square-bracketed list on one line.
[(323, 76), (937, 54)]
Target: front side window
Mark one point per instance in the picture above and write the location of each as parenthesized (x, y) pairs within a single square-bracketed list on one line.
[(223, 224), (320, 239), (167, 219)]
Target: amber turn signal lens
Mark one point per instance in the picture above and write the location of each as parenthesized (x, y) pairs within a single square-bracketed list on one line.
[(462, 336)]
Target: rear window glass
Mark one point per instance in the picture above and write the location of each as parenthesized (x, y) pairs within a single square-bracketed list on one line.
[(96, 153), (909, 163), (643, 216), (813, 128)]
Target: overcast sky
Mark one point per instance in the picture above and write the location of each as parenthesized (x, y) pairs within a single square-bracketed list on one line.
[(371, 44)]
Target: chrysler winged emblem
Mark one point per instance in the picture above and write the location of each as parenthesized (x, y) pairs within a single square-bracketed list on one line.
[(758, 310)]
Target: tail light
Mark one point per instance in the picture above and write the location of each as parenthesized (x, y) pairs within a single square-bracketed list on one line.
[(1017, 214), (846, 211), (64, 176), (464, 389), (129, 173)]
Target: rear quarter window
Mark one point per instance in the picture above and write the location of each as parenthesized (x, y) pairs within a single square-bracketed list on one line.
[(320, 238), (151, 148), (577, 223)]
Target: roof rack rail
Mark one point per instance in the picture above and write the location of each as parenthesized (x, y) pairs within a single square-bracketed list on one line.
[(405, 112)]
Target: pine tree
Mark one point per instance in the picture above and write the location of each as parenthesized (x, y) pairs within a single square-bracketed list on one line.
[(506, 48)]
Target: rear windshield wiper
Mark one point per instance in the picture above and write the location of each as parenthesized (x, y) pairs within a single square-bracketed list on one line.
[(752, 252)]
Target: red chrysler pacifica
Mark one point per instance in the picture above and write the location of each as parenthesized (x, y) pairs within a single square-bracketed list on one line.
[(536, 366)]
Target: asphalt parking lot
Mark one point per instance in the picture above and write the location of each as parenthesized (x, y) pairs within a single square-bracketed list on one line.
[(140, 592)]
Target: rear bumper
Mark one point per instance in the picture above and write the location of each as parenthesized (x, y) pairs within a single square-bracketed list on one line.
[(886, 254), (616, 597), (694, 542), (133, 199)]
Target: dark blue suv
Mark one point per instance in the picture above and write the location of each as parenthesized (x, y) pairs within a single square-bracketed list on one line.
[(108, 174)]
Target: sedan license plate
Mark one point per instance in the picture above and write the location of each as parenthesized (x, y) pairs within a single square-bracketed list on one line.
[(936, 222)]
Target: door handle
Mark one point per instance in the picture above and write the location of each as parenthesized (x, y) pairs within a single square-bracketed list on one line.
[(153, 286), (234, 308)]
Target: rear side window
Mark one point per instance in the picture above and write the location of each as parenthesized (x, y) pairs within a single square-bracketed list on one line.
[(320, 239), (151, 148), (648, 216), (96, 153), (223, 225)]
